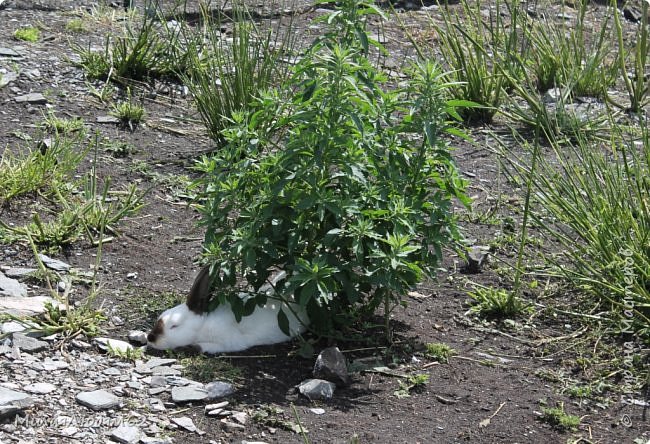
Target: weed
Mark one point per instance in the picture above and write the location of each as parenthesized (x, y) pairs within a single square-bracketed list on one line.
[(129, 113), (412, 383), (60, 125), (28, 34), (119, 149), (127, 354), (497, 303), (208, 368), (69, 322), (439, 352), (76, 25), (557, 417)]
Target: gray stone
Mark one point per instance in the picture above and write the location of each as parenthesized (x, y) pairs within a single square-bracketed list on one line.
[(187, 424), (240, 417), (98, 400), (113, 344), (19, 272), (28, 344), (14, 399), (7, 78), (112, 371), (232, 426), (31, 306), (50, 365), (218, 405), (219, 389), (165, 371), (8, 52), (477, 257), (40, 388), (11, 287), (331, 365), (138, 336), (317, 389), (159, 362), (12, 327), (107, 119), (317, 411), (32, 98), (126, 434), (53, 264), (189, 393)]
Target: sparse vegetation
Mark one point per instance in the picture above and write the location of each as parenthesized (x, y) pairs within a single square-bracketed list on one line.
[(557, 417), (28, 34), (438, 351)]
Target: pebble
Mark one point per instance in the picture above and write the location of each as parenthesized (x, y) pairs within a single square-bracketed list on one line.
[(219, 389), (189, 393), (40, 388), (126, 434), (315, 389), (98, 400), (11, 287)]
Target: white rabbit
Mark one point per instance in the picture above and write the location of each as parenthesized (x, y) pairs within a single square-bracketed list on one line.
[(190, 324)]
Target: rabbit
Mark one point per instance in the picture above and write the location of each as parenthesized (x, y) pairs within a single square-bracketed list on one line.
[(191, 325)]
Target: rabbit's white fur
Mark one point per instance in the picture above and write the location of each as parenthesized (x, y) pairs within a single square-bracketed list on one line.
[(218, 331)]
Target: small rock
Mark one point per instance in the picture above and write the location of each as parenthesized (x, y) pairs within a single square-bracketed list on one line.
[(240, 417), (31, 306), (12, 398), (219, 389), (159, 362), (228, 425), (112, 371), (138, 336), (187, 424), (218, 405), (8, 52), (28, 344), (331, 365), (19, 272), (165, 371), (98, 400), (40, 388), (317, 411), (113, 344), (214, 412), (107, 119), (126, 434), (12, 327), (476, 258), (189, 393), (32, 98), (11, 287), (317, 389), (53, 264)]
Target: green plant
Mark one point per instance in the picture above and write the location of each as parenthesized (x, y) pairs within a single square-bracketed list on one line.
[(438, 351), (347, 186), (594, 201), (412, 383), (129, 112), (557, 417), (127, 354), (498, 303), (637, 86), (476, 50), (60, 125), (564, 55), (96, 65), (28, 34), (34, 170), (76, 25), (208, 368), (225, 76)]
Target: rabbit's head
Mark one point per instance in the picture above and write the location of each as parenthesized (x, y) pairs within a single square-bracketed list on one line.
[(180, 325)]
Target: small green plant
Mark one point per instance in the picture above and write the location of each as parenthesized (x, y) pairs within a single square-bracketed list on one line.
[(37, 169), (557, 417), (59, 125), (410, 384), (225, 76), (127, 354), (69, 322), (119, 149), (96, 64), (206, 368), (28, 34), (497, 303), (129, 113), (76, 25), (438, 351), (346, 185)]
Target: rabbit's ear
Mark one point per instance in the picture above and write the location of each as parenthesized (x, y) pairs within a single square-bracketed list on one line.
[(199, 297)]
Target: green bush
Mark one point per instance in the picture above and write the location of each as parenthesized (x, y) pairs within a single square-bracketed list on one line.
[(347, 186)]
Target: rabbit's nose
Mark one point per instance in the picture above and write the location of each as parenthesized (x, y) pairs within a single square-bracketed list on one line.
[(156, 331)]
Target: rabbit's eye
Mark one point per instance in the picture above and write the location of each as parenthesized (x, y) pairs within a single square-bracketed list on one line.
[(173, 326)]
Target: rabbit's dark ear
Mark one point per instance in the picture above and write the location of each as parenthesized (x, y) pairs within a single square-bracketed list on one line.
[(199, 296)]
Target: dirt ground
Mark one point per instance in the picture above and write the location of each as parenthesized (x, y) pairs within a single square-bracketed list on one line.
[(502, 372)]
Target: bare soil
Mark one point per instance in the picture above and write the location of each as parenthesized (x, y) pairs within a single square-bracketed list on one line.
[(504, 372)]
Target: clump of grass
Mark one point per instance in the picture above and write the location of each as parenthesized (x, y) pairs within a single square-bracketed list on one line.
[(557, 417), (28, 34), (129, 354), (206, 368), (438, 351), (76, 25), (129, 113), (60, 125), (96, 64), (410, 384), (496, 303)]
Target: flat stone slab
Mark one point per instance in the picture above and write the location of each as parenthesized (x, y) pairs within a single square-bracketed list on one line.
[(40, 388), (21, 307), (13, 398), (53, 264), (126, 434), (28, 344), (7, 78), (32, 98), (8, 52), (219, 389), (11, 287), (113, 344), (98, 400), (189, 393), (19, 272)]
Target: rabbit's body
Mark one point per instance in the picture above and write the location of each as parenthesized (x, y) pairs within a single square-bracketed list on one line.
[(218, 331)]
